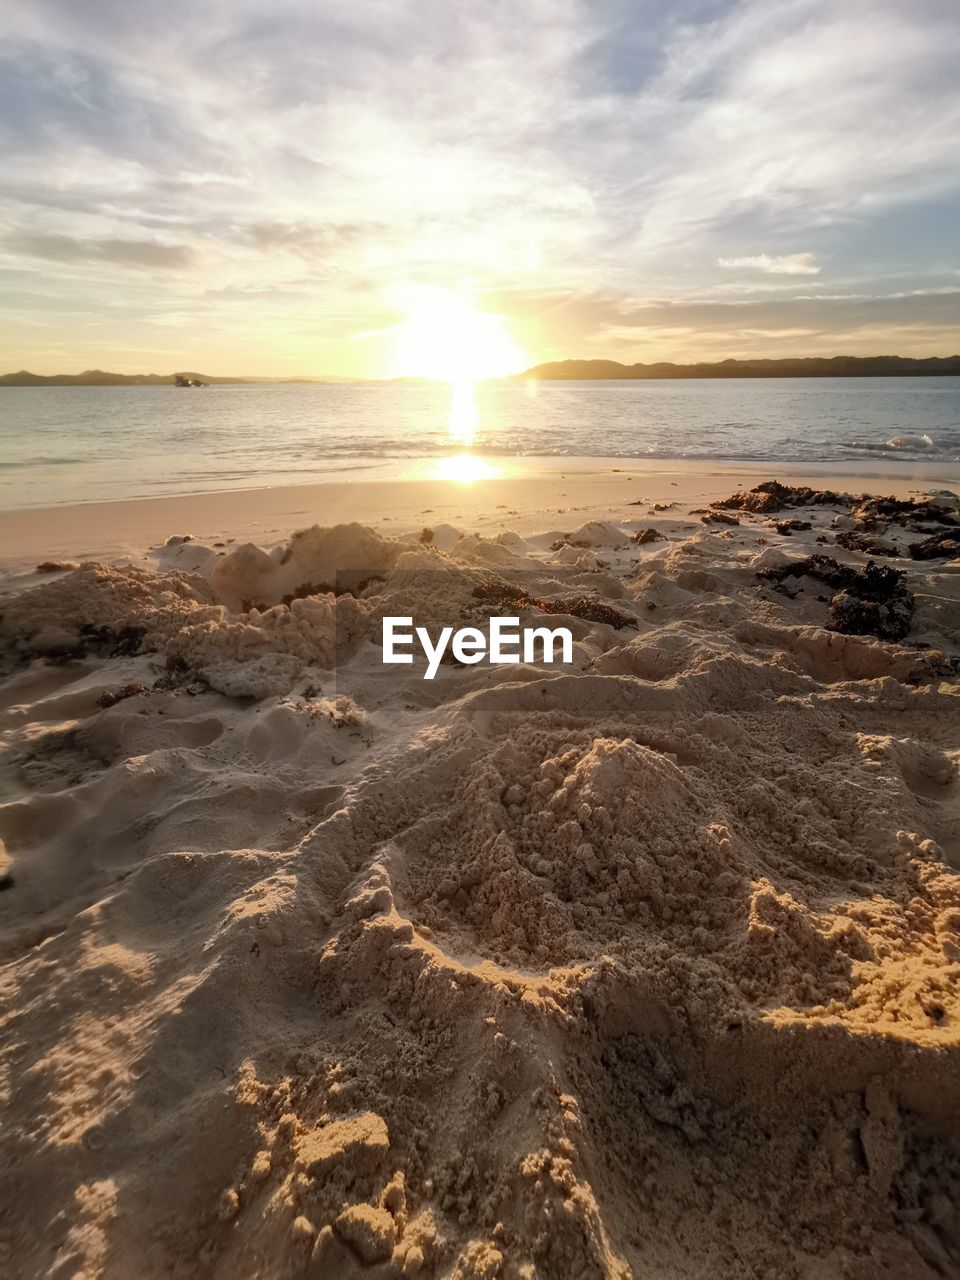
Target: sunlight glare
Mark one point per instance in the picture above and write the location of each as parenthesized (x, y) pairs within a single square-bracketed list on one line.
[(447, 338), (464, 468), (463, 413)]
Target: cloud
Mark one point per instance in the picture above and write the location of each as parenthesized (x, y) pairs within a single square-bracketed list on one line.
[(578, 149), (653, 329), (143, 254), (310, 240), (783, 264)]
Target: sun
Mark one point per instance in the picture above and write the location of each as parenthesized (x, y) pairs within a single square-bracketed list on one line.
[(447, 338)]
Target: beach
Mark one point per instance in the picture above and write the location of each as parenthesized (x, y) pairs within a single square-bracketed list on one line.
[(520, 493), (643, 963), (480, 641)]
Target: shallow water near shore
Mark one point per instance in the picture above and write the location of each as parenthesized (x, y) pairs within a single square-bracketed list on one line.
[(69, 444)]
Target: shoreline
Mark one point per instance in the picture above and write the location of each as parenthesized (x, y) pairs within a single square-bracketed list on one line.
[(525, 490)]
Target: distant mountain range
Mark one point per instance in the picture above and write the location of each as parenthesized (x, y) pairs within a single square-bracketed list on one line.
[(558, 370), (99, 378), (810, 367)]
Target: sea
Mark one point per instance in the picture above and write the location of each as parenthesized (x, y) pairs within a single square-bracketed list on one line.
[(88, 444)]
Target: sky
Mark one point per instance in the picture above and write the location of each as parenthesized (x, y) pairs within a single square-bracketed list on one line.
[(305, 189)]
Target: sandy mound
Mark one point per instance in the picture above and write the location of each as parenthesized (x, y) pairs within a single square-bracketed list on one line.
[(647, 966)]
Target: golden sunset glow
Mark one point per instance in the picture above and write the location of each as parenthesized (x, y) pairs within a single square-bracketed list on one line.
[(445, 336)]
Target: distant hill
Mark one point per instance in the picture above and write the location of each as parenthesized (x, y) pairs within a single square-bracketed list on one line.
[(99, 378), (558, 370), (808, 367)]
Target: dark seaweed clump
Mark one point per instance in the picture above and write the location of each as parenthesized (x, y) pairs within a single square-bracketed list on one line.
[(347, 584), (873, 601), (936, 546), (110, 697), (503, 595), (872, 513), (773, 496), (591, 610), (788, 527), (854, 540), (869, 514), (104, 642), (507, 595), (719, 517)]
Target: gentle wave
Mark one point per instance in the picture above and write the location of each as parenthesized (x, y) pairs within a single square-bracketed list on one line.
[(915, 446)]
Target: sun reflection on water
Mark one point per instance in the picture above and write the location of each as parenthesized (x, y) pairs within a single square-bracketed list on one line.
[(463, 421), (464, 417)]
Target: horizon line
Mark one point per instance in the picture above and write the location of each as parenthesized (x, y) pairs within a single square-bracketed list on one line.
[(521, 374)]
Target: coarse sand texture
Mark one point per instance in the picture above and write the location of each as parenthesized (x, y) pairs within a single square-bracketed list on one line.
[(641, 965)]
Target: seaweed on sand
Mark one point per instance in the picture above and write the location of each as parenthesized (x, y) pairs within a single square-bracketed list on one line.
[(590, 609), (719, 517), (872, 513), (868, 512), (507, 595), (773, 496), (107, 642), (873, 600), (937, 546), (855, 540), (110, 697), (347, 584), (788, 527)]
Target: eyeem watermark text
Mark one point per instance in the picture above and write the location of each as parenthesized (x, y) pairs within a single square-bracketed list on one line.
[(506, 643)]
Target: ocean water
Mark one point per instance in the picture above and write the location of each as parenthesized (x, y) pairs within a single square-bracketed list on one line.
[(82, 444)]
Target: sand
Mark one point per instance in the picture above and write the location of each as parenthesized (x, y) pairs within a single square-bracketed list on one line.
[(530, 491), (642, 965)]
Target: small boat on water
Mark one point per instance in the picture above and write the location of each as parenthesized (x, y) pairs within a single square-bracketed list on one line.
[(181, 381)]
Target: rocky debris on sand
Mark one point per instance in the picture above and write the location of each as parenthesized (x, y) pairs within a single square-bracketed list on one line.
[(643, 536), (869, 601)]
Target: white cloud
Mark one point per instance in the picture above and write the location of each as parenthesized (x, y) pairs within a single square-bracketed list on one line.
[(783, 264)]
